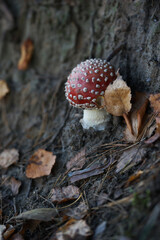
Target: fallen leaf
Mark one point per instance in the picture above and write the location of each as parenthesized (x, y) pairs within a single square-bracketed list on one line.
[(40, 164), (73, 229), (64, 194), (41, 214), (78, 212), (133, 177), (8, 157), (27, 48), (77, 161), (117, 97), (136, 123), (14, 185), (129, 158), (3, 89), (94, 170)]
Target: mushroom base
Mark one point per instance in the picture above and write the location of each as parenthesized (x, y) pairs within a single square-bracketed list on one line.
[(95, 118)]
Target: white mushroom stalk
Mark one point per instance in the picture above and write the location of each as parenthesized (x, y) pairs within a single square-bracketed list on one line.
[(95, 118), (85, 84)]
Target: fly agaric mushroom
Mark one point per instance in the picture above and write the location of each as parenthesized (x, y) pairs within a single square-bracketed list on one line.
[(85, 84)]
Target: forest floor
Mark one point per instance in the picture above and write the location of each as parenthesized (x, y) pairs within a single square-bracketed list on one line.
[(115, 194)]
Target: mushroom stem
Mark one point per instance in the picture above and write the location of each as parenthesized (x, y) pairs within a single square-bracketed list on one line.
[(95, 118)]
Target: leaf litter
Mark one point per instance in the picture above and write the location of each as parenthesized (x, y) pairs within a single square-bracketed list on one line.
[(8, 157), (40, 164), (74, 229), (64, 194)]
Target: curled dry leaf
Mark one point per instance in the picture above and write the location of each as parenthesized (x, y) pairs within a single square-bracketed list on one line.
[(77, 161), (40, 164), (14, 185), (8, 157), (137, 121), (74, 229), (3, 89), (64, 194), (117, 98), (26, 54), (130, 158)]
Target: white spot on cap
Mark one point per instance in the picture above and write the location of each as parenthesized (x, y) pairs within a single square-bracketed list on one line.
[(88, 98), (73, 85), (101, 74), (98, 86), (105, 70), (85, 74), (93, 100), (102, 93), (96, 71), (98, 80), (91, 72), (92, 105), (87, 80), (74, 97), (93, 79), (92, 91), (111, 74), (79, 85), (83, 78), (85, 89), (70, 95), (80, 97), (96, 93), (106, 79), (110, 67)]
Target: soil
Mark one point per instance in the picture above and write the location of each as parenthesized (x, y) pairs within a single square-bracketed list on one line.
[(35, 114)]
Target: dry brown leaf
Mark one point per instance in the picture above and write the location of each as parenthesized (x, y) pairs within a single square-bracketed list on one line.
[(3, 89), (73, 229), (14, 185), (136, 117), (64, 194), (41, 214), (134, 177), (117, 97), (78, 212), (40, 164), (129, 158), (27, 48), (8, 157), (77, 161)]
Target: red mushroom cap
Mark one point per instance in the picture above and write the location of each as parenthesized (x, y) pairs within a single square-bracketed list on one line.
[(88, 81)]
